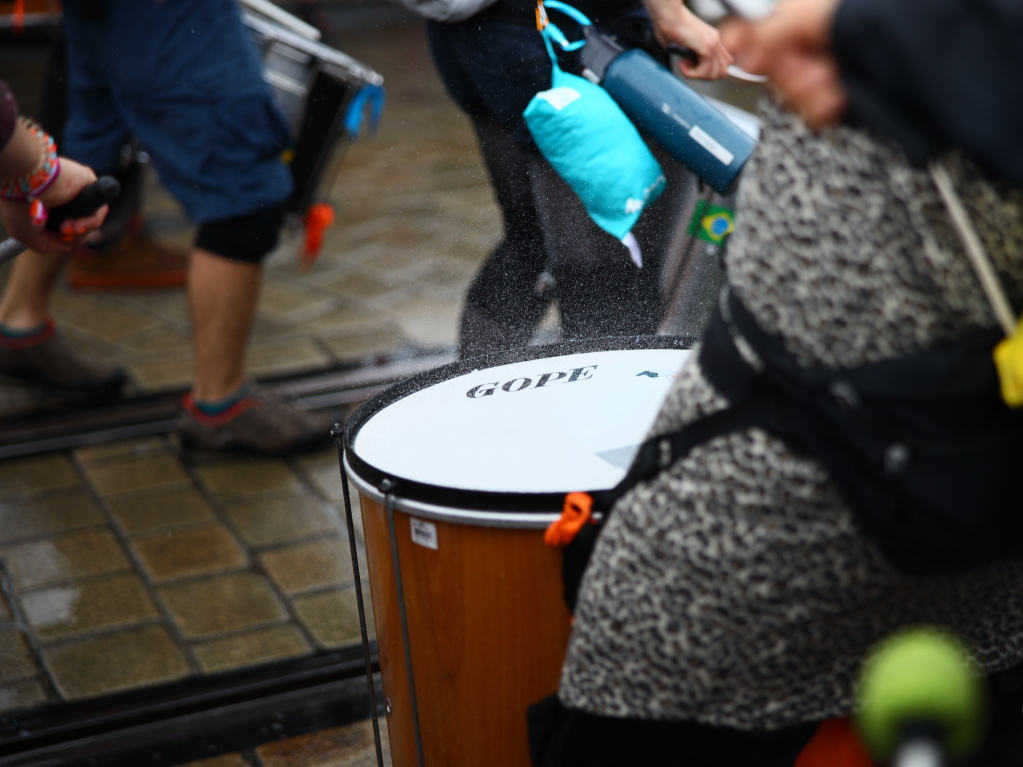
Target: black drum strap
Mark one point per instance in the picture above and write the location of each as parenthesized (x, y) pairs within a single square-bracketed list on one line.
[(654, 456), (920, 447), (659, 453), (753, 402)]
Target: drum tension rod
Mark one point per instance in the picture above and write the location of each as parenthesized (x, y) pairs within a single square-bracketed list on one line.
[(336, 433), (387, 487)]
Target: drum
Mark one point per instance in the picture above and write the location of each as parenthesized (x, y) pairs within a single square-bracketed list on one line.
[(459, 472), (314, 85)]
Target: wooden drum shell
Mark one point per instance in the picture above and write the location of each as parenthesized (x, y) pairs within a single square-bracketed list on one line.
[(487, 629), (475, 459)]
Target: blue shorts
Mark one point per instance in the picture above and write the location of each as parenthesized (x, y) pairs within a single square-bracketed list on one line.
[(185, 78)]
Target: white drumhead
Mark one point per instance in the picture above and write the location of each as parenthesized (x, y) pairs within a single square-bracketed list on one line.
[(548, 425)]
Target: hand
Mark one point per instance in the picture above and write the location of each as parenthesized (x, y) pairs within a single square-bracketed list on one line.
[(676, 24), (792, 46), (18, 222)]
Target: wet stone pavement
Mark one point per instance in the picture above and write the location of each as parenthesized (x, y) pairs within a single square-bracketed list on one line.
[(124, 569)]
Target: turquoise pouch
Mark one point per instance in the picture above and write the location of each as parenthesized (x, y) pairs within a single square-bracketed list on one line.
[(594, 147)]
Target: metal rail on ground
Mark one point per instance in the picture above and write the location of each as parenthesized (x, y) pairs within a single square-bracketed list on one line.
[(195, 719), (154, 414)]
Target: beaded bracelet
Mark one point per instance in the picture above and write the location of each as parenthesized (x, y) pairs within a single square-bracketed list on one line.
[(41, 177)]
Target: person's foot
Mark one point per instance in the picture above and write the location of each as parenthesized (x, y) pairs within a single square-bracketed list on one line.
[(47, 359), (135, 261), (260, 423)]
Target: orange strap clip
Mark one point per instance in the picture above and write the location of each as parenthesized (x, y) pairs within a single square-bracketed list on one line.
[(577, 511), (541, 16)]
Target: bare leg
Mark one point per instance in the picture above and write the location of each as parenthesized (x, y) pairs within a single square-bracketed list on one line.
[(26, 299), (223, 296)]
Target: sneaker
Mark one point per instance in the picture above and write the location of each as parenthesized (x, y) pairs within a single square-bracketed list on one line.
[(135, 261), (48, 360), (259, 424)]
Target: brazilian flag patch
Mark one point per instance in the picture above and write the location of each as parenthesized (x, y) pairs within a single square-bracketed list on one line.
[(711, 222)]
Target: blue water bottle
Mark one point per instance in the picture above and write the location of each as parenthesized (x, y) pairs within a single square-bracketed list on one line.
[(678, 118), (688, 126)]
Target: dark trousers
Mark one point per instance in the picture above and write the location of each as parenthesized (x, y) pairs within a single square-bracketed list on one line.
[(492, 69)]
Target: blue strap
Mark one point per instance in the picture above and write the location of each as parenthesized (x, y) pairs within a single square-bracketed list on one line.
[(568, 10), (556, 34), (369, 98)]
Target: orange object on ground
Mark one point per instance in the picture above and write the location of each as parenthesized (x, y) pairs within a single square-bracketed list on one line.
[(835, 744), (317, 220), (18, 8), (577, 511), (135, 261)]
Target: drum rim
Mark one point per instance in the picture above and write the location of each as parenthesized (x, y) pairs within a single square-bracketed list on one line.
[(522, 519), (439, 496)]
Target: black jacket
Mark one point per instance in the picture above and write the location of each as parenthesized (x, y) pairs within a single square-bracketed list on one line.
[(936, 75)]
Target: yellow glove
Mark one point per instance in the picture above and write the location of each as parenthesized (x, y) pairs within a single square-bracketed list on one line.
[(1009, 361)]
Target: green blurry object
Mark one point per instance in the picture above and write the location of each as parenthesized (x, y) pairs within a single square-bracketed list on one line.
[(920, 679)]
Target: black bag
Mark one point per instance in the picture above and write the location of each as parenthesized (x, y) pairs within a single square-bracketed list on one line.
[(922, 448)]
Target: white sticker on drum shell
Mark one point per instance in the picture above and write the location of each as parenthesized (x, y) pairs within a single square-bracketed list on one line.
[(424, 533)]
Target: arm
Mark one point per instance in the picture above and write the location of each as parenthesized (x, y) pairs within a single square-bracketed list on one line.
[(792, 46), (674, 23), (25, 175)]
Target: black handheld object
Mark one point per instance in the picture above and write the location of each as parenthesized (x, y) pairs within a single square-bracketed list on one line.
[(100, 192), (93, 197)]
